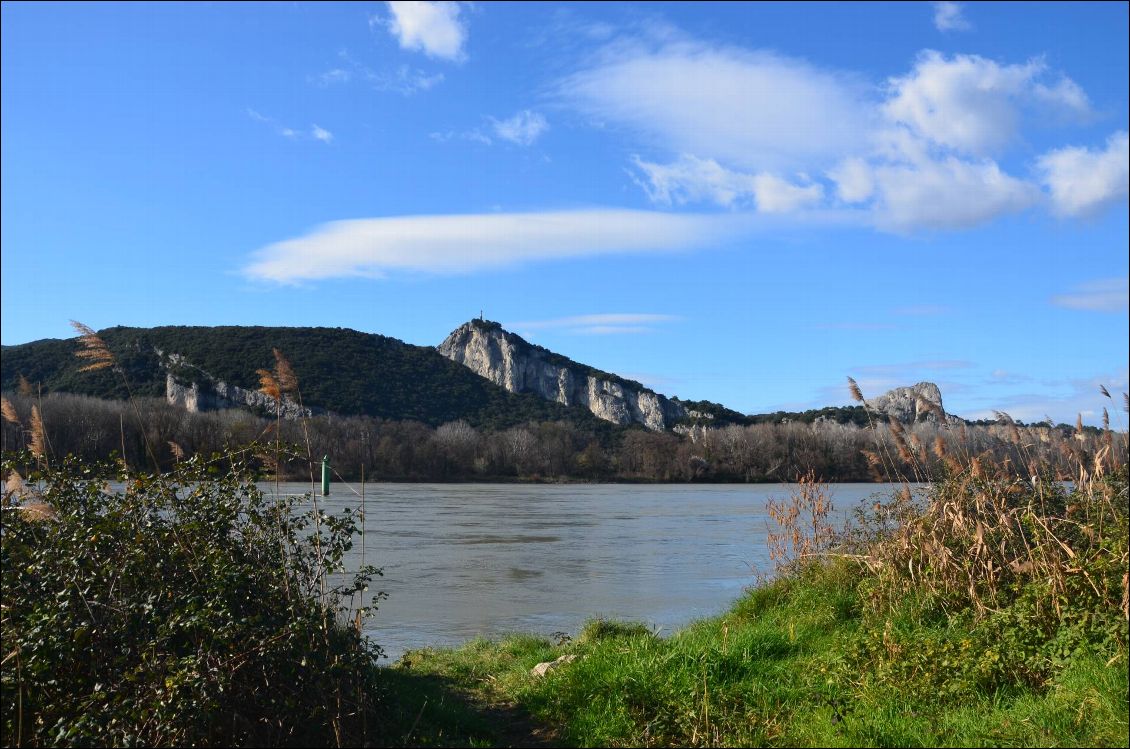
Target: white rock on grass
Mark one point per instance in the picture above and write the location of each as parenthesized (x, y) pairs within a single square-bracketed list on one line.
[(543, 668)]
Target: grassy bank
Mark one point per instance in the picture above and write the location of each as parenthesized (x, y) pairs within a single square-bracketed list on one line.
[(846, 648)]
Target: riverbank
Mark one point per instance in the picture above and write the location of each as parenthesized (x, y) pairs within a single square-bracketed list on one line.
[(995, 615), (794, 663), (191, 609)]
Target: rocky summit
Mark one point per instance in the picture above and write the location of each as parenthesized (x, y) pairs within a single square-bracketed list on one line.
[(511, 362), (921, 402)]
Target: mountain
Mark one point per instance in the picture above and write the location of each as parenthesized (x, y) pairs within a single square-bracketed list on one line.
[(511, 362), (339, 370), (481, 373)]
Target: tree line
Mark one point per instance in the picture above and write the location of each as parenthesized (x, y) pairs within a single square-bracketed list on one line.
[(151, 434)]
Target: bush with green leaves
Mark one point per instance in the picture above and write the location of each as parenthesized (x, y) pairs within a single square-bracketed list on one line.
[(186, 608)]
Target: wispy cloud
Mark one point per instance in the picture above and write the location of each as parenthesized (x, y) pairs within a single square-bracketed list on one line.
[(314, 133), (467, 243), (1103, 295), (403, 79), (599, 324), (433, 28), (950, 16), (523, 128), (475, 136), (746, 109), (691, 179), (334, 76), (1062, 401), (913, 368)]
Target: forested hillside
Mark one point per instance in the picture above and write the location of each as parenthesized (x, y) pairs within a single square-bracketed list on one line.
[(339, 370)]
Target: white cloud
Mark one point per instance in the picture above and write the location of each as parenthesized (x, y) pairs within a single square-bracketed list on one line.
[(1062, 401), (691, 179), (914, 369), (854, 183), (290, 133), (475, 136), (523, 128), (775, 195), (743, 128), (1082, 181), (330, 77), (950, 17), (972, 104), (946, 194), (466, 243), (433, 28), (1104, 295), (750, 110), (404, 80)]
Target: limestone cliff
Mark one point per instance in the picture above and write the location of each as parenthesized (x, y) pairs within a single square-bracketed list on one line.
[(195, 390), (910, 404), (520, 367)]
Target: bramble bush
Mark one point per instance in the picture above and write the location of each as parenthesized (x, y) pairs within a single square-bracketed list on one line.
[(185, 608)]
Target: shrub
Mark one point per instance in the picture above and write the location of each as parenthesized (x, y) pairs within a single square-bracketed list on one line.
[(184, 608)]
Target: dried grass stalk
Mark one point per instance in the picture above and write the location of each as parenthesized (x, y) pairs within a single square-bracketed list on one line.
[(268, 385), (38, 511), (9, 412), (94, 349), (284, 374), (14, 484), (38, 434)]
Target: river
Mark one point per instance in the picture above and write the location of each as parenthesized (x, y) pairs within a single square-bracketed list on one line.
[(468, 560)]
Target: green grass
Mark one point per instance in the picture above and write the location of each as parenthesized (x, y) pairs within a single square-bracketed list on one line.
[(788, 665)]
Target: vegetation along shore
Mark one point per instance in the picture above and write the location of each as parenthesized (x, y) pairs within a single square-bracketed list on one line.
[(988, 606)]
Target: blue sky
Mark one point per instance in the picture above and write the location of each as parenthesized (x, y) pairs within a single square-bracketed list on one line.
[(740, 203)]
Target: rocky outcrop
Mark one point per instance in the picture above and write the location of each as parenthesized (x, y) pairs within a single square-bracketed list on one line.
[(509, 361), (543, 668), (922, 402), (195, 390)]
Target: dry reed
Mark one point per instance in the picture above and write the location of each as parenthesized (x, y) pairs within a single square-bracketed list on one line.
[(9, 412), (94, 349)]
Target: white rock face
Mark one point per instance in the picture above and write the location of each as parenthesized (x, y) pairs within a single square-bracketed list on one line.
[(909, 404), (217, 394), (510, 362)]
